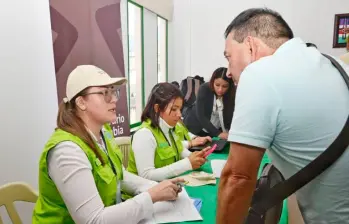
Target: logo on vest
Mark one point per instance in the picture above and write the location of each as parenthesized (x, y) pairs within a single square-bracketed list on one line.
[(108, 135), (163, 145)]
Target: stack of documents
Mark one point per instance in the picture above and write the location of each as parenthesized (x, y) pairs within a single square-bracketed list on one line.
[(196, 179), (181, 210)]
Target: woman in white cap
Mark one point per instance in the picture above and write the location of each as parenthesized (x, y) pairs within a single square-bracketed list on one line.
[(80, 169)]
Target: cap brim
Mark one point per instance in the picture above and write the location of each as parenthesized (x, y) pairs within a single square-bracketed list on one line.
[(114, 81), (119, 81)]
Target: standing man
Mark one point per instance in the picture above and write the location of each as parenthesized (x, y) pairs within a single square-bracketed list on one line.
[(290, 101)]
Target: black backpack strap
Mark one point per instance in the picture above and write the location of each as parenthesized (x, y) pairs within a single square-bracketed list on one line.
[(283, 190)]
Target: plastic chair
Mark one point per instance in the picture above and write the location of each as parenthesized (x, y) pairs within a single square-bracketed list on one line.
[(17, 191), (124, 144)]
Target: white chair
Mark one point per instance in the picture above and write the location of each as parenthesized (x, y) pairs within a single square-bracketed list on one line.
[(17, 191), (124, 144)]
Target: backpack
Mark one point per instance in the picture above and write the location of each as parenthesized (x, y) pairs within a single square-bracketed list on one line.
[(190, 88)]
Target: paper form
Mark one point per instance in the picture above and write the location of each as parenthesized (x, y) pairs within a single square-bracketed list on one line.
[(181, 210)]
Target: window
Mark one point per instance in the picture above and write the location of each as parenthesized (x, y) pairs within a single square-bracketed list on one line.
[(135, 54), (157, 56), (162, 50)]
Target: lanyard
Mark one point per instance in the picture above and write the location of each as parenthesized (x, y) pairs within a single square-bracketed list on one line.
[(173, 142), (105, 149)]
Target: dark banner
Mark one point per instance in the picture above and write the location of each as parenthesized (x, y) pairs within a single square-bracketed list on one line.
[(89, 32)]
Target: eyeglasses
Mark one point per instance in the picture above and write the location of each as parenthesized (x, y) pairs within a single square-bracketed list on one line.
[(108, 94)]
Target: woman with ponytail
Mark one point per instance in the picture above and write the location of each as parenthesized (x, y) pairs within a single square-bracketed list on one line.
[(158, 151)]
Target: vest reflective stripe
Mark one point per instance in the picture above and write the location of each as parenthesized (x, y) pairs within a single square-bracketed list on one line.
[(50, 207), (165, 154)]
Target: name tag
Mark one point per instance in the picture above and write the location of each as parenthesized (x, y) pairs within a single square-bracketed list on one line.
[(163, 145)]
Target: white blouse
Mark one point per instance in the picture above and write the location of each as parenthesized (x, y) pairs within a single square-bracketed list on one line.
[(71, 171), (217, 114)]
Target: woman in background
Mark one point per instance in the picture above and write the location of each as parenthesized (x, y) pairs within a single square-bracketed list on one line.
[(80, 169), (214, 107), (158, 151)]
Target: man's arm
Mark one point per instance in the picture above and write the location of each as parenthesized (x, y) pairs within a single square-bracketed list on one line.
[(256, 118), (237, 184)]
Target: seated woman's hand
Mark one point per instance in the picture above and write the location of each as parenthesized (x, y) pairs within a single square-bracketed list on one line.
[(166, 190), (223, 135), (200, 141), (197, 159)]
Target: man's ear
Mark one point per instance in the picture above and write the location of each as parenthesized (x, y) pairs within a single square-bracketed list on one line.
[(253, 45), (156, 108), (80, 103)]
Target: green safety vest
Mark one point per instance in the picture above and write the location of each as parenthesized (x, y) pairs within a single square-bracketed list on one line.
[(50, 207), (165, 154), (182, 131)]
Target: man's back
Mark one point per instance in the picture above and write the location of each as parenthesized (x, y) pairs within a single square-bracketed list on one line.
[(305, 106)]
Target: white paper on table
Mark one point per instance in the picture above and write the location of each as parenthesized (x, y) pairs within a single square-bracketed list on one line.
[(217, 166), (181, 210)]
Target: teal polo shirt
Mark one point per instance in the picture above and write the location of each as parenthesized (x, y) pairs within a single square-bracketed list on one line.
[(294, 104)]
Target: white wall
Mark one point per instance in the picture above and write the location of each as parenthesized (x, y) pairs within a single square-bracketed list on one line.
[(27, 90), (197, 40)]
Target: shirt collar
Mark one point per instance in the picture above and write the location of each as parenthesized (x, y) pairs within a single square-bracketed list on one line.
[(94, 137), (291, 44), (164, 126)]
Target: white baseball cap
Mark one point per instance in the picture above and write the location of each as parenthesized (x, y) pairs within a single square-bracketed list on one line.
[(85, 76)]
